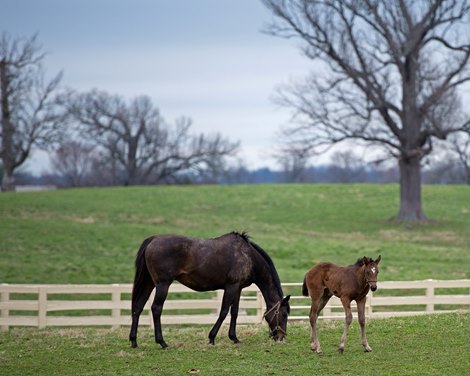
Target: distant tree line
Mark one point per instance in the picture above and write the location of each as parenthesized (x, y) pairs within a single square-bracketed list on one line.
[(345, 167)]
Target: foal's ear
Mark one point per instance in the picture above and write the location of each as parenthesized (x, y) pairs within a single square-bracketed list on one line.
[(378, 259), (365, 260)]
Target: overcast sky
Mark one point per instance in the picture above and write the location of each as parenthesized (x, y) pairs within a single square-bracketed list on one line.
[(204, 59)]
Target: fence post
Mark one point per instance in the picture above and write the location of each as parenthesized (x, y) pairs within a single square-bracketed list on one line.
[(219, 296), (369, 305), (116, 312), (149, 302), (430, 296), (42, 307), (327, 310), (259, 310), (4, 297)]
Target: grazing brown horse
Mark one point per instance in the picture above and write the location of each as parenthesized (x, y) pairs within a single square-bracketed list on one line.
[(347, 283), (230, 262)]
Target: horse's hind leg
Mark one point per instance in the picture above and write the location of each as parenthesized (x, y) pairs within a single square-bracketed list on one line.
[(314, 343), (347, 310), (139, 298), (157, 306), (318, 303), (361, 308)]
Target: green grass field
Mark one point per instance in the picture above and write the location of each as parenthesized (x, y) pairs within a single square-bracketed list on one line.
[(92, 235), (431, 345)]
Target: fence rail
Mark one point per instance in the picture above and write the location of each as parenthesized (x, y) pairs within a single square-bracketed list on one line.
[(109, 305)]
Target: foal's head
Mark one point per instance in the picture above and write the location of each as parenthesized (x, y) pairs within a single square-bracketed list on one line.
[(276, 317), (371, 271)]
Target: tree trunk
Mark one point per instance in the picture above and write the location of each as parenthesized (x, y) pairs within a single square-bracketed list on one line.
[(8, 180), (410, 191)]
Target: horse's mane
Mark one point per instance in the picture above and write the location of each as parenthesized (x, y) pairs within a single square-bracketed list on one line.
[(360, 261), (244, 235)]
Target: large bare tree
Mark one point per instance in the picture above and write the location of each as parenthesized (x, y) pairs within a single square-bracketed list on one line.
[(29, 117), (387, 74), (139, 142)]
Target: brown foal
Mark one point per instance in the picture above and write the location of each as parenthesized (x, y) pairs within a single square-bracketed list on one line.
[(348, 283)]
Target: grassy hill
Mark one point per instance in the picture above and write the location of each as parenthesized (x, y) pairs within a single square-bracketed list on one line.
[(92, 235)]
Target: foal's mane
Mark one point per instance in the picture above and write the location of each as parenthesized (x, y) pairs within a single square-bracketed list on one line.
[(360, 261), (277, 282)]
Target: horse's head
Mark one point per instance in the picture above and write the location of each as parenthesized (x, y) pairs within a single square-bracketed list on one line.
[(276, 316), (371, 271)]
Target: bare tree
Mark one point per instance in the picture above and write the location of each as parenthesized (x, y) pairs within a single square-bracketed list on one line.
[(385, 70), (293, 161), (29, 117), (73, 160), (347, 167), (139, 142), (460, 147)]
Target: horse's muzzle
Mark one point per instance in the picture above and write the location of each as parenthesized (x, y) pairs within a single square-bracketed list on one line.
[(373, 287)]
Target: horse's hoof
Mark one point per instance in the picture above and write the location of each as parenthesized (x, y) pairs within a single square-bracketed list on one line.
[(367, 349), (341, 350), (163, 345), (134, 345)]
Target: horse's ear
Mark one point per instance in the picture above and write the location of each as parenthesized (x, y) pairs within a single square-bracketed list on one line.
[(365, 260), (286, 299), (378, 259)]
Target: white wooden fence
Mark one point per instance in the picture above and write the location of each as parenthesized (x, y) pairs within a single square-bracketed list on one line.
[(109, 305)]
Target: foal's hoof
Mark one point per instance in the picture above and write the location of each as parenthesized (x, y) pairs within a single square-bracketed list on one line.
[(316, 350), (368, 349), (341, 350), (134, 345)]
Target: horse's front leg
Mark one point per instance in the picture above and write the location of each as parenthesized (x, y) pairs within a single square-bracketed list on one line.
[(233, 317), (347, 310), (229, 294), (361, 313), (157, 306)]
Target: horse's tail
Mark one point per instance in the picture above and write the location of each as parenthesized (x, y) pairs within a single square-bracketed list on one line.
[(142, 276), (304, 287)]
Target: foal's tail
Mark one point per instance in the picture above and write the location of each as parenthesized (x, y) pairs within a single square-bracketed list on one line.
[(142, 276), (304, 287)]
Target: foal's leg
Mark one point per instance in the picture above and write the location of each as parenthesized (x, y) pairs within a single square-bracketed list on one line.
[(233, 317), (317, 305), (314, 343), (157, 307), (347, 310), (229, 294), (138, 302), (361, 308)]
